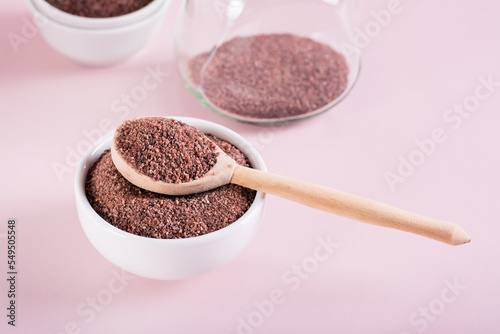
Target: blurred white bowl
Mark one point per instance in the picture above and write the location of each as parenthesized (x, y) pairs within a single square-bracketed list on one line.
[(98, 41), (169, 259)]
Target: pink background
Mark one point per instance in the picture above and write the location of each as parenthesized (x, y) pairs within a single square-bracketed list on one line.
[(377, 280)]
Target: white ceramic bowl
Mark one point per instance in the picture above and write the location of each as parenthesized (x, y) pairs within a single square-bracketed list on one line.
[(98, 41), (169, 259)]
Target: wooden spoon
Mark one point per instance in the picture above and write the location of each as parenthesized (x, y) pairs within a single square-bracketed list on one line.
[(226, 171)]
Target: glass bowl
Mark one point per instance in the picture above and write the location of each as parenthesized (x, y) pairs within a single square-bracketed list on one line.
[(267, 62)]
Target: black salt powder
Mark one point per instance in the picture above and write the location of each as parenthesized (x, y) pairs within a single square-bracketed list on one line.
[(99, 8), (153, 215), (165, 149), (270, 76)]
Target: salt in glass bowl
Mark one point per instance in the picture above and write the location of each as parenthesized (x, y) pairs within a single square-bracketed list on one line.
[(169, 259), (205, 26), (98, 41)]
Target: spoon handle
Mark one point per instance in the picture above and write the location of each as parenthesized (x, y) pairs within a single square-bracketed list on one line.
[(350, 206)]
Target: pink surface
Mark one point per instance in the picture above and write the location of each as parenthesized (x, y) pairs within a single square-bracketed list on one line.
[(430, 58)]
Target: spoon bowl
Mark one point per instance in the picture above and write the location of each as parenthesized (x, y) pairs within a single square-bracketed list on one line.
[(219, 175)]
